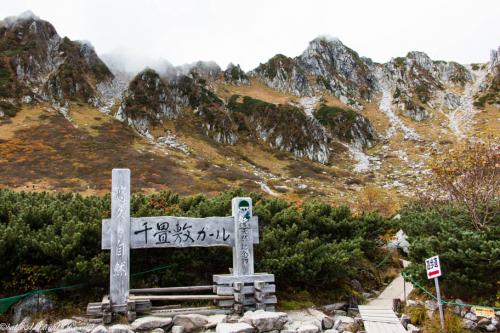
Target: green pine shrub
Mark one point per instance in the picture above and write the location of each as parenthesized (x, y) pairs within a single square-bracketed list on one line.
[(50, 240), (470, 259)]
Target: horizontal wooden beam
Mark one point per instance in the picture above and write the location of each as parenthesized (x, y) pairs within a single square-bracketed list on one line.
[(229, 279), (179, 297), (227, 290), (170, 290), (248, 301), (201, 311)]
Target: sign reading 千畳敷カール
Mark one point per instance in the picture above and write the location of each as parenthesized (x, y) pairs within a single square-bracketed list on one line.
[(433, 267)]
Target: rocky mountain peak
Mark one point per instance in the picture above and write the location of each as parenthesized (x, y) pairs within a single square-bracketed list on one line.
[(147, 102), (421, 59), (489, 90), (494, 59), (340, 68), (326, 65), (235, 75), (325, 44), (283, 74), (38, 64), (207, 70)]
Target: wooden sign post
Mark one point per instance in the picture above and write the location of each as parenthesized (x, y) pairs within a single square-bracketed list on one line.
[(243, 249), (120, 238), (240, 231)]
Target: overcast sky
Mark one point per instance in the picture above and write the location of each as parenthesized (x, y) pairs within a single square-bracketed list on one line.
[(249, 32)]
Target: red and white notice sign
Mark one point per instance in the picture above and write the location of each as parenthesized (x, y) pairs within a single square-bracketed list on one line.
[(433, 267)]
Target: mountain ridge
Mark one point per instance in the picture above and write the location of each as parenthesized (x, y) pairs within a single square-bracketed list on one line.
[(370, 122)]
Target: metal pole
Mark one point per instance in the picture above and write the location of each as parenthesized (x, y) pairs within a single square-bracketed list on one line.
[(438, 294), (404, 288)]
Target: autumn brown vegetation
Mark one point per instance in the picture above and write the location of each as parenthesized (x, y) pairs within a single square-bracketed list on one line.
[(470, 176)]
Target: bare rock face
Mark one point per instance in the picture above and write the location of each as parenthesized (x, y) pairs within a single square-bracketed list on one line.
[(235, 75), (213, 116), (326, 65), (346, 125), (418, 82), (151, 100), (283, 74), (208, 71), (281, 127), (490, 89), (338, 68), (42, 65), (147, 102)]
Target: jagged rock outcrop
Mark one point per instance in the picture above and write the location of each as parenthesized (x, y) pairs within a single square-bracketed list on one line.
[(151, 100), (490, 90), (282, 127), (346, 125), (418, 83), (283, 74), (36, 63), (213, 116), (235, 75), (326, 65), (147, 102), (205, 73), (340, 69)]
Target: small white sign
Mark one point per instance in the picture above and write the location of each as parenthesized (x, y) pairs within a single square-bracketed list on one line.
[(433, 267)]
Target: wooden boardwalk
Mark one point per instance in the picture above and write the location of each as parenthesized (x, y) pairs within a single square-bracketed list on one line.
[(380, 320)]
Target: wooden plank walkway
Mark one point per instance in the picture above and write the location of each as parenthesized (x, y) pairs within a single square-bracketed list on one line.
[(380, 320)]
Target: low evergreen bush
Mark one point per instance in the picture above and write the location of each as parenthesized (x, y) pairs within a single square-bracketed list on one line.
[(49, 240), (470, 259)]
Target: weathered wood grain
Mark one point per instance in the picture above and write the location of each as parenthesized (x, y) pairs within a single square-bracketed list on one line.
[(380, 320), (179, 297), (248, 301), (227, 290), (147, 232), (229, 279), (170, 290), (243, 263), (120, 237)]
